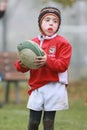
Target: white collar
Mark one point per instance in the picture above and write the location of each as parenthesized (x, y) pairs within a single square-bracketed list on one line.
[(41, 37)]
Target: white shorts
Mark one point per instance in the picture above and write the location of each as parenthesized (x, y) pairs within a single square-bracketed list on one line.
[(50, 97)]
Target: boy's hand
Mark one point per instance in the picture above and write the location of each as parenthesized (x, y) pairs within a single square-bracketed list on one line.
[(22, 64), (40, 60)]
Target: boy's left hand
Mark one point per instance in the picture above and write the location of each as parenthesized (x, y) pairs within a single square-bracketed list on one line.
[(40, 60)]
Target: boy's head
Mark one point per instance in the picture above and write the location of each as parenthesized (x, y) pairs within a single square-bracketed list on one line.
[(51, 17)]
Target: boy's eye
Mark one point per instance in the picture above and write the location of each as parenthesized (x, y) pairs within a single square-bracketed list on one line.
[(47, 20), (55, 21)]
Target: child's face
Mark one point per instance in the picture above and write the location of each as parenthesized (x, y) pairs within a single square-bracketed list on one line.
[(50, 25)]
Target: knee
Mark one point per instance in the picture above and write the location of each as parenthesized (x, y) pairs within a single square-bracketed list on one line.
[(34, 123)]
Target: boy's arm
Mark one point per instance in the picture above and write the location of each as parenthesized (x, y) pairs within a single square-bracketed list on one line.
[(20, 67), (60, 63)]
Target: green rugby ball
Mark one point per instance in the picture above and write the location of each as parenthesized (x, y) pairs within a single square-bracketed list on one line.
[(28, 51)]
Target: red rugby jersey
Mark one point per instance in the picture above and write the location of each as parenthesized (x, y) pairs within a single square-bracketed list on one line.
[(58, 51)]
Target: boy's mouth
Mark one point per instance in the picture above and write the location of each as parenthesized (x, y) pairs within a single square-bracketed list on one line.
[(50, 30)]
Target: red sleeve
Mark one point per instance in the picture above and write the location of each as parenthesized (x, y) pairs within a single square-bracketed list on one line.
[(20, 68), (61, 62)]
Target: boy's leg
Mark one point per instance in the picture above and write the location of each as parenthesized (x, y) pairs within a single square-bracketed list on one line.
[(48, 120), (34, 119)]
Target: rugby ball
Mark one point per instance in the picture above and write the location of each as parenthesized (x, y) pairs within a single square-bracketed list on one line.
[(28, 51)]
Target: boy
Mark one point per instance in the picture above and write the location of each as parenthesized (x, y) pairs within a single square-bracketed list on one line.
[(48, 83)]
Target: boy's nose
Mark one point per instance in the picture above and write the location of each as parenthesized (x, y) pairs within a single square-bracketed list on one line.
[(51, 23)]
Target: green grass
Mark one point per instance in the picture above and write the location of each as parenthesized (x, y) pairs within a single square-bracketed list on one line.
[(15, 116), (73, 119)]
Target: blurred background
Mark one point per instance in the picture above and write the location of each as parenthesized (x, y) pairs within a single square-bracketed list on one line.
[(20, 22)]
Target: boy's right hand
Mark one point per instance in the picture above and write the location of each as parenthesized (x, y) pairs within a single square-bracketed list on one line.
[(22, 64)]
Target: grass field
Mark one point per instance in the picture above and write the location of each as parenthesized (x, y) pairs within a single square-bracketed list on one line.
[(15, 116)]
